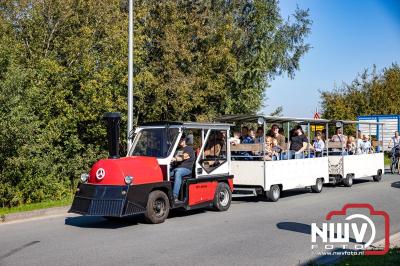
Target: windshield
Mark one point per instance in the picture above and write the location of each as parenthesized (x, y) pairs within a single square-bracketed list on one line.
[(154, 142)]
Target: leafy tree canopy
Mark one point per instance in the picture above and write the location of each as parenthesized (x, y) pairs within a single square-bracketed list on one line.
[(372, 92), (63, 63)]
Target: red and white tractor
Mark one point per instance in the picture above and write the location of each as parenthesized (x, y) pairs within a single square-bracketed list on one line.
[(141, 181)]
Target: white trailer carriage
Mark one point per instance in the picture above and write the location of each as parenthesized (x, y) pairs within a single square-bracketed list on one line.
[(254, 175), (345, 166)]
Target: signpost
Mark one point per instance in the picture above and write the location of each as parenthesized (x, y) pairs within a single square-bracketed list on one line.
[(317, 127)]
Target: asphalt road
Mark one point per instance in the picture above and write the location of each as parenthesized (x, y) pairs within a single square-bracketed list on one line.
[(250, 233)]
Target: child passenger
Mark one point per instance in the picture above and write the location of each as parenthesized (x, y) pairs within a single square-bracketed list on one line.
[(318, 145), (235, 139), (276, 148), (351, 146), (270, 154)]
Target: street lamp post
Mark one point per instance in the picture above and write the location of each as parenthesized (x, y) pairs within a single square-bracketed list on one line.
[(130, 74)]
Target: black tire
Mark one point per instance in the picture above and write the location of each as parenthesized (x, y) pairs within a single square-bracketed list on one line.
[(222, 197), (392, 168), (274, 193), (378, 177), (348, 181), (319, 184), (157, 209)]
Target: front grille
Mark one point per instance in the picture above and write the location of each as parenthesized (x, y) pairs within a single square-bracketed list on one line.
[(100, 200), (106, 207), (80, 205)]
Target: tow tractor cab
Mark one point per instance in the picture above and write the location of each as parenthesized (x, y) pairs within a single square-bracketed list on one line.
[(141, 181)]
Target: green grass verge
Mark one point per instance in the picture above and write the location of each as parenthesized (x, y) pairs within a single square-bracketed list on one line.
[(391, 258), (387, 159), (36, 206)]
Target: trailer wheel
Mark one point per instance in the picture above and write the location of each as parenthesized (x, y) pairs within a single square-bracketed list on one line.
[(222, 197), (274, 193), (378, 177), (348, 181), (319, 184), (157, 207)]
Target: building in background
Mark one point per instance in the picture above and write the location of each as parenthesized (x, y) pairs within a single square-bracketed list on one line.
[(391, 124)]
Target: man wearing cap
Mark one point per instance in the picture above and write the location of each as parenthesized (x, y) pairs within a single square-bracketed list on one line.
[(183, 161)]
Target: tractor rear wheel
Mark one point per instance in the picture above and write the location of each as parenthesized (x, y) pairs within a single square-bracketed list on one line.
[(222, 197)]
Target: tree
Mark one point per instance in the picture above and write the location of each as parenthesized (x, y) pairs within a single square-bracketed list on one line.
[(64, 63), (371, 92)]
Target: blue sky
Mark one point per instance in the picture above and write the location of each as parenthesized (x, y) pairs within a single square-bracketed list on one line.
[(347, 37)]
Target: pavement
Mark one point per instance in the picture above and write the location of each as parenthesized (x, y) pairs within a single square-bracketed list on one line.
[(13, 217), (251, 232)]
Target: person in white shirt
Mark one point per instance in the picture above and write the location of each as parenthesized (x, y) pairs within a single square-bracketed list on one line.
[(339, 137), (318, 145), (365, 145), (359, 142), (395, 140), (235, 139)]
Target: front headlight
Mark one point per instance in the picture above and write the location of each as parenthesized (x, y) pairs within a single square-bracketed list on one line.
[(84, 177), (128, 179)]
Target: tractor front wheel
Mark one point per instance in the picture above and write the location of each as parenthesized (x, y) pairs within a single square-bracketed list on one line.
[(157, 207)]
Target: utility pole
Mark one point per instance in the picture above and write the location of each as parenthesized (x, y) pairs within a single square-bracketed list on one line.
[(130, 74)]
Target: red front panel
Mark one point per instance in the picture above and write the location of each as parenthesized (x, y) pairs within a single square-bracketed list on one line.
[(202, 192), (144, 170)]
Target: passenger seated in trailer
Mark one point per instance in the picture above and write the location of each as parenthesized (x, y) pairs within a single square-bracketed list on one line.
[(183, 164), (281, 132), (359, 142), (318, 145), (365, 145), (235, 139), (245, 138), (323, 134), (351, 146), (278, 136), (276, 148), (252, 134), (339, 137), (270, 154), (298, 143), (259, 135)]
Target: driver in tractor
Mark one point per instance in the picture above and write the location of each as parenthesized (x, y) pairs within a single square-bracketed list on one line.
[(183, 162)]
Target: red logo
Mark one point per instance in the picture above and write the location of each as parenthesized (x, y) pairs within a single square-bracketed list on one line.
[(336, 231)]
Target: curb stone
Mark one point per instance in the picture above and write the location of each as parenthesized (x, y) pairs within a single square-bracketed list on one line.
[(4, 218)]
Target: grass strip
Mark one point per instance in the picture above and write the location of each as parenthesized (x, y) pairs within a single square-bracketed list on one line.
[(36, 206)]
